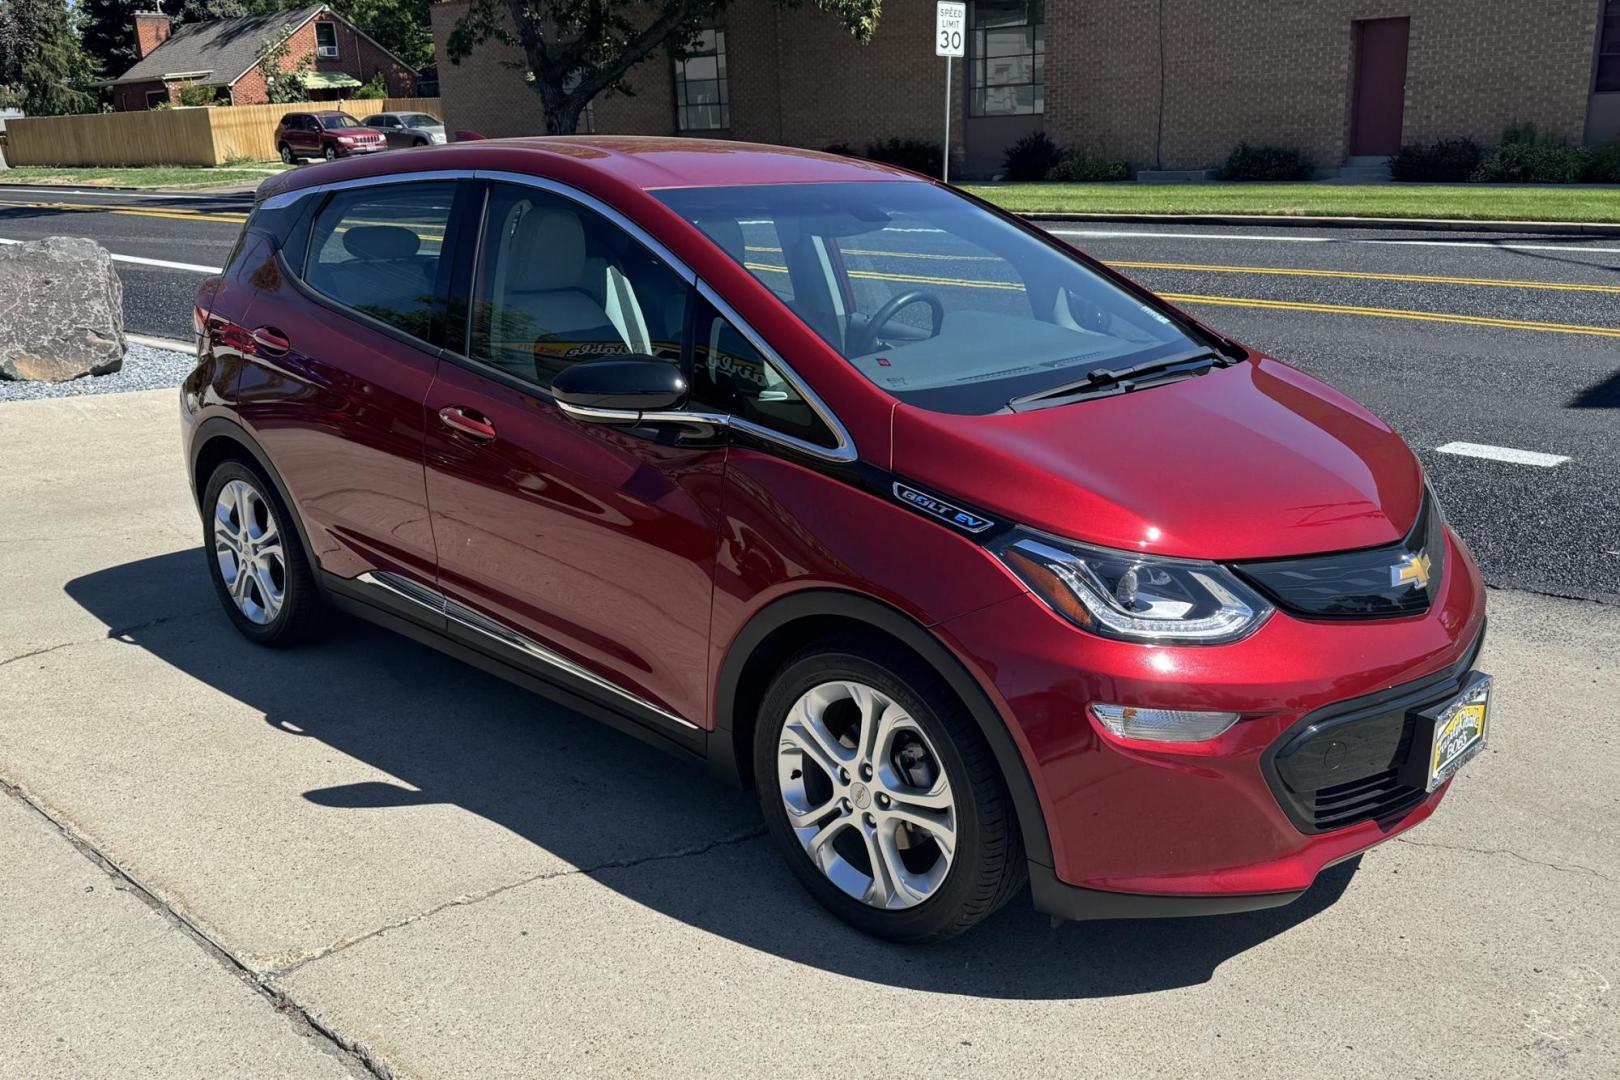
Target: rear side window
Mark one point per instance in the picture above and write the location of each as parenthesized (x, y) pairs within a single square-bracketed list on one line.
[(378, 251)]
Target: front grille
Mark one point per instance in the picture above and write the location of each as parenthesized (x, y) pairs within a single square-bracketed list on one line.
[(1369, 583), (1348, 763)]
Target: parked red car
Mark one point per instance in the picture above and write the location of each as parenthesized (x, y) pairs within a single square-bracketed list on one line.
[(328, 135), (978, 561)]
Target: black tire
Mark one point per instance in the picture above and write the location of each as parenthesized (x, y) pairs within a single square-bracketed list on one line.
[(330, 153), (301, 607), (420, 142), (988, 868), (287, 155)]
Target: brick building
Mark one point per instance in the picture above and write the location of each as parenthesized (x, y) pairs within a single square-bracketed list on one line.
[(333, 56), (1173, 84)]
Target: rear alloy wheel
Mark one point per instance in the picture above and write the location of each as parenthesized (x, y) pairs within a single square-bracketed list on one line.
[(883, 796), (258, 565), (287, 156)]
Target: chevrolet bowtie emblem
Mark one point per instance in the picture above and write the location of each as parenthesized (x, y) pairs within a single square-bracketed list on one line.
[(1411, 570)]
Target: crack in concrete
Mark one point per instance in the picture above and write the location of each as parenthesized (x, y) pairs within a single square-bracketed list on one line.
[(1572, 868), (113, 633), (347, 1050), (549, 875)]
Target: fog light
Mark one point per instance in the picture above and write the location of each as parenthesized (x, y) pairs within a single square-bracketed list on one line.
[(1162, 725)]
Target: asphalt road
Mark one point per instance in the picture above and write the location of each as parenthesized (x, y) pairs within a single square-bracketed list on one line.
[(1507, 342)]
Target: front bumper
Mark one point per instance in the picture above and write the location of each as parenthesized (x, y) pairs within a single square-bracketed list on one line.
[(1159, 828)]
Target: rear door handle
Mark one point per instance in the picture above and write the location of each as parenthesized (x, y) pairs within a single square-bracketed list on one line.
[(468, 422), (271, 339)]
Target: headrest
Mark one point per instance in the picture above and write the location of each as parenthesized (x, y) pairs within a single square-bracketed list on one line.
[(550, 252), (380, 242)]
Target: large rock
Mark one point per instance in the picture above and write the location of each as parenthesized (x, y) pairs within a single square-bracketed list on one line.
[(61, 310)]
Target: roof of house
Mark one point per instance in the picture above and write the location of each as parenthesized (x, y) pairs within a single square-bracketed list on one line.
[(216, 52)]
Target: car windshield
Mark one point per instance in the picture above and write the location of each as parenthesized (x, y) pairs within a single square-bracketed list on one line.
[(420, 120), (338, 120), (940, 302)]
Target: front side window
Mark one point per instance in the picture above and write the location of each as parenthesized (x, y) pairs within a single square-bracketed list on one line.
[(940, 302), (378, 251), (558, 283), (730, 374), (332, 121), (1007, 64), (702, 101)]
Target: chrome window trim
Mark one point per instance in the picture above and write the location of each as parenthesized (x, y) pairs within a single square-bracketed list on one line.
[(844, 453), (461, 615)]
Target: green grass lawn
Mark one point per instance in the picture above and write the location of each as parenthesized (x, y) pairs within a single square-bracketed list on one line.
[(143, 176), (1474, 203)]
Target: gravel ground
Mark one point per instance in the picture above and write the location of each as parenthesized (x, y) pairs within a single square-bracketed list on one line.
[(144, 369)]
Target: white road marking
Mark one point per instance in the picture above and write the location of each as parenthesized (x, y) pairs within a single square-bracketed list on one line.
[(1124, 234), (138, 260), (1502, 453)]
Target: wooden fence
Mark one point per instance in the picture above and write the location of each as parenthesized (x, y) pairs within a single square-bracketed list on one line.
[(199, 136)]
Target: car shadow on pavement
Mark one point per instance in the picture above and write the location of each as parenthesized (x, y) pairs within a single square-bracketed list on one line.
[(657, 831)]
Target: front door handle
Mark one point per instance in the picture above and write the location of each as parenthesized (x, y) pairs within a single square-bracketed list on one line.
[(272, 340), (468, 422)]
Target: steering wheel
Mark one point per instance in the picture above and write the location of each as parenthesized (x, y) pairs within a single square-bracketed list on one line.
[(864, 341)]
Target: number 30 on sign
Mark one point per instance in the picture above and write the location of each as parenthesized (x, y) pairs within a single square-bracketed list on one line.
[(950, 28)]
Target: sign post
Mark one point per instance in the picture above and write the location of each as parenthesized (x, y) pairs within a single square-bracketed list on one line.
[(950, 35)]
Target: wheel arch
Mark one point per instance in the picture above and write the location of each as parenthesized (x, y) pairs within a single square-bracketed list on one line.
[(787, 625), (219, 440)]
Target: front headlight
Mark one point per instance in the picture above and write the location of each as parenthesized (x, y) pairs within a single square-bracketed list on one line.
[(1134, 597)]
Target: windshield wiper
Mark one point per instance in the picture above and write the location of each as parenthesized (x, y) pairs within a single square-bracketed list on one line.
[(1103, 381)]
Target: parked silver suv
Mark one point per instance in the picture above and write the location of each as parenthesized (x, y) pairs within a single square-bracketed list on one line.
[(404, 129)]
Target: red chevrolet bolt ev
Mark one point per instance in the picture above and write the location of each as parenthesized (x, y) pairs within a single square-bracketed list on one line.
[(978, 561)]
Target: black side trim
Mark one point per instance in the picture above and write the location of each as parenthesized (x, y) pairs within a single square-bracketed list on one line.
[(471, 648), (723, 752), (1064, 901)]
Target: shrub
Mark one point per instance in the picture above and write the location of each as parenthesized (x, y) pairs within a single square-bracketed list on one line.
[(197, 94), (1267, 163), (1603, 164), (1031, 157), (374, 90), (1078, 166), (918, 155), (1528, 158), (1446, 161), (840, 148)]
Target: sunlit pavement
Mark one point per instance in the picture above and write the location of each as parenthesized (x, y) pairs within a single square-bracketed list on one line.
[(363, 856)]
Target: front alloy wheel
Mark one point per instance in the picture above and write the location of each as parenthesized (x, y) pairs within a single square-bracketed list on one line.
[(880, 791), (866, 796)]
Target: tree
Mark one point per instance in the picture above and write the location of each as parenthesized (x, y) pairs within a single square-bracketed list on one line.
[(576, 49), (403, 27), (43, 69), (106, 28), (281, 84)]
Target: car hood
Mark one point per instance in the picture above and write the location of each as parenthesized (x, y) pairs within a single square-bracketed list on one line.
[(1253, 461)]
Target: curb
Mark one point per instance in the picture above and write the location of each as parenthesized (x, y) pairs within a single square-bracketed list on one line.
[(1302, 221), (167, 344)]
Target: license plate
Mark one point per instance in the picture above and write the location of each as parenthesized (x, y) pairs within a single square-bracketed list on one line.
[(1459, 730)]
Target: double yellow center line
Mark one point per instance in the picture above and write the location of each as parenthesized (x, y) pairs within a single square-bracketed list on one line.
[(1178, 298)]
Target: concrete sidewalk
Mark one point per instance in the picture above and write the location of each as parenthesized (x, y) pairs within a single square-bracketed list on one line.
[(456, 879)]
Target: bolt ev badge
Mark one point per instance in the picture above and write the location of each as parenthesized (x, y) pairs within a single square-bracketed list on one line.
[(936, 507), (1413, 569)]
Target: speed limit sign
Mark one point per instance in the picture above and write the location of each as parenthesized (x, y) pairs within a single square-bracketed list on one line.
[(950, 28)]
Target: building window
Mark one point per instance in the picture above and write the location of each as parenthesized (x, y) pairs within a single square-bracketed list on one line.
[(326, 45), (154, 98), (1007, 64), (702, 102), (1608, 65)]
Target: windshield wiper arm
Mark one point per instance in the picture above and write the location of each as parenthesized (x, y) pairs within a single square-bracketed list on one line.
[(1119, 380)]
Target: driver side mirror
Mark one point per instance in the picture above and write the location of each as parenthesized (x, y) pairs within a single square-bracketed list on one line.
[(617, 390)]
